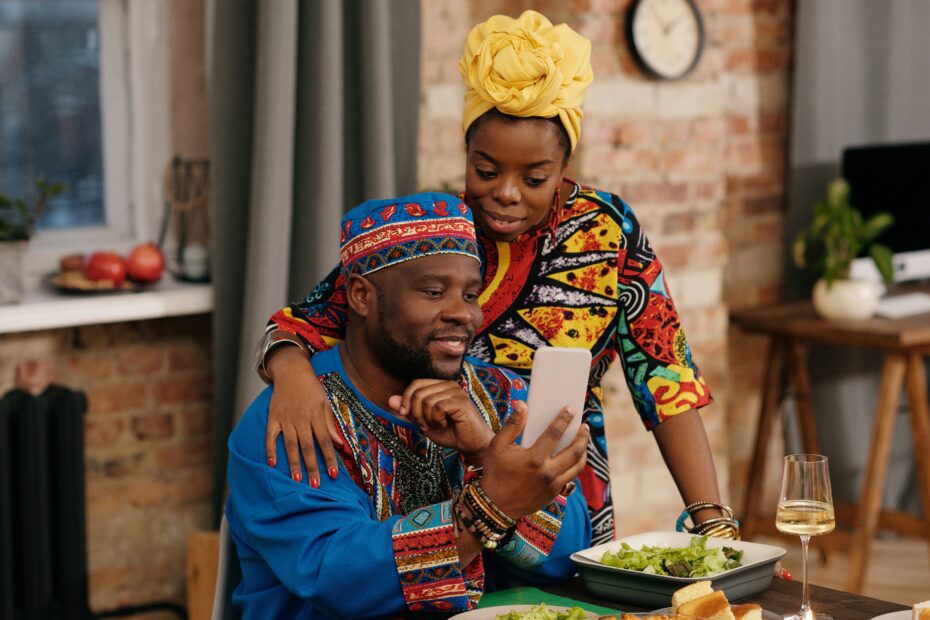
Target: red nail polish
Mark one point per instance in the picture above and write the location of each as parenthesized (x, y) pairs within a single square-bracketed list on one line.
[(296, 475), (314, 482), (271, 462), (333, 472)]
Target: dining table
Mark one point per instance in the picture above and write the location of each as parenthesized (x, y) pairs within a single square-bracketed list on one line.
[(783, 596)]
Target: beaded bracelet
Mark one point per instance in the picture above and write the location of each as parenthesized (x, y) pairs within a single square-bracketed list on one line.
[(487, 537), (482, 517), (494, 511)]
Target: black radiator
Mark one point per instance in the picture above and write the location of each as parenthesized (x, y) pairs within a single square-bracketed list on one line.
[(43, 538)]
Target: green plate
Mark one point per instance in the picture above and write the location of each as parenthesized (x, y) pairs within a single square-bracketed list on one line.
[(535, 596)]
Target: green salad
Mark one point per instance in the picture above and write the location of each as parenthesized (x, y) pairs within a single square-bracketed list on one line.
[(541, 612), (695, 560)]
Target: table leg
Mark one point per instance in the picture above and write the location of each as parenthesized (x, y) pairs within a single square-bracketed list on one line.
[(771, 394), (870, 498), (920, 429), (801, 382)]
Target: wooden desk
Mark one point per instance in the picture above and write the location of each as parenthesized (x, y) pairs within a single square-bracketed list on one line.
[(782, 597), (904, 342)]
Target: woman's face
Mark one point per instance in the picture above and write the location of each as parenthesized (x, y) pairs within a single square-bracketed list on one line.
[(513, 169)]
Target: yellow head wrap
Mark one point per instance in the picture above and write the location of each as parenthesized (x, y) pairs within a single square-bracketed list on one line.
[(526, 67)]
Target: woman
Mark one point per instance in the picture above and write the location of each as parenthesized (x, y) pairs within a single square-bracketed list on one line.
[(563, 265)]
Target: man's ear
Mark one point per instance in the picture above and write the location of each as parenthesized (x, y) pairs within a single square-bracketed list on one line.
[(361, 295)]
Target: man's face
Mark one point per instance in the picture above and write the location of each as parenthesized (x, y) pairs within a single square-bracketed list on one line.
[(427, 315)]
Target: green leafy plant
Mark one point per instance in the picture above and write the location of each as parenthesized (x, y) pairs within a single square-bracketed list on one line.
[(18, 216), (838, 234)]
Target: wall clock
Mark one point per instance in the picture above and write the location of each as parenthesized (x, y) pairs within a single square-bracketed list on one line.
[(666, 37)]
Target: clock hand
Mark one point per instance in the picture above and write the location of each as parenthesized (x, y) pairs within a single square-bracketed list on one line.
[(671, 25), (658, 16)]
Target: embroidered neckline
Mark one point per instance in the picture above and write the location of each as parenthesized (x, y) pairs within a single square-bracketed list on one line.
[(419, 480)]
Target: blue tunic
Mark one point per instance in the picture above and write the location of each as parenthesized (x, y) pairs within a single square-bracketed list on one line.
[(347, 549)]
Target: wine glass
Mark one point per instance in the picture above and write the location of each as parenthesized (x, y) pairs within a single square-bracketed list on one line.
[(805, 508)]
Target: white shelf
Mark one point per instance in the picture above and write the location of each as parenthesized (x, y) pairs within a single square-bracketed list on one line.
[(43, 308)]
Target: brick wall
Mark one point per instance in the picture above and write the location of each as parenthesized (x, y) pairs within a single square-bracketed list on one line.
[(147, 434), (701, 162)]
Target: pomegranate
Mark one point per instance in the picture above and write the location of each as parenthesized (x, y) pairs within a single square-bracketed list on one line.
[(145, 263), (106, 266)]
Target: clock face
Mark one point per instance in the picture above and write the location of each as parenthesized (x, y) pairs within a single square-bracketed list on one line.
[(666, 36)]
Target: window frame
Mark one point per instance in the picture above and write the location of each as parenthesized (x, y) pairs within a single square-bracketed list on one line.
[(135, 111)]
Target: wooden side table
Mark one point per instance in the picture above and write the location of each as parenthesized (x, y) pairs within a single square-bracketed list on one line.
[(791, 327)]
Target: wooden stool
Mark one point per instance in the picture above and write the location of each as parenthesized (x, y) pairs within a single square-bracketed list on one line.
[(905, 342)]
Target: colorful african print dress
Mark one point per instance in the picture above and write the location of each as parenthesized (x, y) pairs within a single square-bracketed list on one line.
[(379, 540), (589, 279)]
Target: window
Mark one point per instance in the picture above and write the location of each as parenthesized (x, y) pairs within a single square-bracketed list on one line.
[(50, 100), (84, 101)]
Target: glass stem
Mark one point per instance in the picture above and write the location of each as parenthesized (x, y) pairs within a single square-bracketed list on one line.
[(805, 594)]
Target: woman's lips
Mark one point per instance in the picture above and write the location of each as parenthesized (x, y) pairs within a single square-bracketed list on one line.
[(503, 224)]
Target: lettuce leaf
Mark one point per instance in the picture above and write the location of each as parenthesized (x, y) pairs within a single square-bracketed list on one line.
[(695, 560), (541, 612)]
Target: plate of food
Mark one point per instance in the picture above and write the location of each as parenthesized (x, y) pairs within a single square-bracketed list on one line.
[(646, 569), (526, 612), (108, 272), (76, 283), (920, 611), (699, 601)]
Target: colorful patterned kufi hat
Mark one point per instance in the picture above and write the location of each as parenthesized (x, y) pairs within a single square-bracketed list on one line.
[(380, 233), (526, 67)]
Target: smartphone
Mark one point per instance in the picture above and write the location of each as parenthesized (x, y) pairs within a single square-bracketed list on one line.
[(559, 378)]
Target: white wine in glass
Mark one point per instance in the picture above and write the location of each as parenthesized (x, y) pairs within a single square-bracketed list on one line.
[(805, 509), (805, 517)]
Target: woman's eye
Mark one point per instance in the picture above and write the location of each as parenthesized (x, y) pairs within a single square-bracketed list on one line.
[(536, 182), (470, 297), (432, 292), (485, 174)]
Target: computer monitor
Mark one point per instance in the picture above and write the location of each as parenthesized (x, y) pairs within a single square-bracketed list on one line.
[(894, 178)]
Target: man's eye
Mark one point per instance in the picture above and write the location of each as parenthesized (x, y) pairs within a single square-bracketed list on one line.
[(485, 174), (470, 297), (431, 292)]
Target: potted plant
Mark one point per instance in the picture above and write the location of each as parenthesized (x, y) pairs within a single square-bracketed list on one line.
[(836, 235), (18, 218)]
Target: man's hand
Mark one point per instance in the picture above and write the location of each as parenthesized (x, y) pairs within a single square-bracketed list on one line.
[(445, 413), (521, 480)]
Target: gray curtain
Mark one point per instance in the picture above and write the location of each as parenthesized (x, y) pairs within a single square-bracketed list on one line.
[(313, 109), (861, 76)]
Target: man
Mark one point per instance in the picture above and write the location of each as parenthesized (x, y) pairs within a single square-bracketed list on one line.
[(437, 502)]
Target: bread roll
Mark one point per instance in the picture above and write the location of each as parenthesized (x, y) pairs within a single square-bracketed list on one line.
[(690, 592), (713, 606), (921, 611), (750, 611)]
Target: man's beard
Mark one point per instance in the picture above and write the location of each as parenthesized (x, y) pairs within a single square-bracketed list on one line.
[(401, 360)]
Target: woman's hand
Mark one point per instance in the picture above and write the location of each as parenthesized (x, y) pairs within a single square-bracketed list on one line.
[(521, 480), (300, 410)]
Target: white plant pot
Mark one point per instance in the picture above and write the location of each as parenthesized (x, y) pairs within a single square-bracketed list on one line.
[(854, 300), (11, 271)]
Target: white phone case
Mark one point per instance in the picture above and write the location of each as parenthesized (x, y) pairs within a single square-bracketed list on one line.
[(559, 378)]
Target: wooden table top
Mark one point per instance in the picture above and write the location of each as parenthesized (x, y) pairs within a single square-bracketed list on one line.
[(797, 319), (782, 597)]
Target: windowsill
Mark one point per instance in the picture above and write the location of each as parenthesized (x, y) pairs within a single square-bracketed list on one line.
[(44, 308)]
